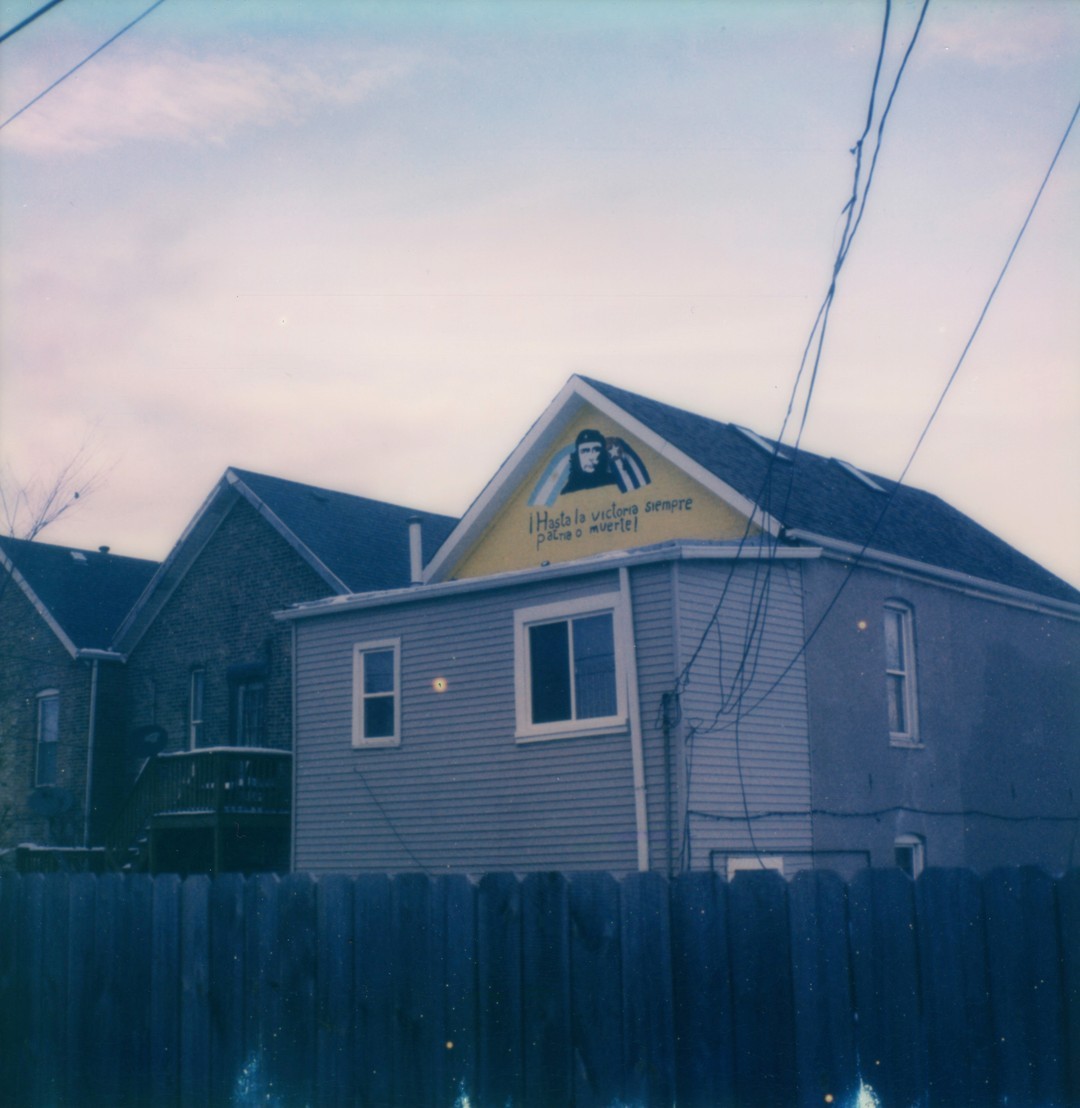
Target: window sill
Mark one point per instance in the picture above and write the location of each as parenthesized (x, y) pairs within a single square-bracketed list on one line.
[(906, 744), (571, 731), (375, 744)]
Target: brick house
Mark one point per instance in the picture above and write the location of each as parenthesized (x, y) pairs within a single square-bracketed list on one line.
[(61, 688)]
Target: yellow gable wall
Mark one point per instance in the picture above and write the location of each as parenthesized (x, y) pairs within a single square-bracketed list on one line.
[(542, 523)]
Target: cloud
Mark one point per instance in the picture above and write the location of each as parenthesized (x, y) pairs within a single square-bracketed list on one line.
[(1004, 35), (173, 96)]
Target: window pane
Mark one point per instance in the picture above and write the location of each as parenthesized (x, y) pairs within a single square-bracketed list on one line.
[(379, 671), (549, 654), (897, 708), (594, 667), (894, 639), (48, 734), (249, 714), (379, 717)]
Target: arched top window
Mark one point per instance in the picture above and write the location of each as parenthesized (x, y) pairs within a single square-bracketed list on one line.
[(48, 737)]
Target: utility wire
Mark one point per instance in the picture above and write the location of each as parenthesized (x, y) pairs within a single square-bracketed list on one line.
[(75, 68), (857, 558), (29, 19)]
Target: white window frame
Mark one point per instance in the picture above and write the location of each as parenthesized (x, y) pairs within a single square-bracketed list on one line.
[(524, 618), (360, 650), (754, 863), (196, 706), (47, 696), (916, 844), (910, 736)]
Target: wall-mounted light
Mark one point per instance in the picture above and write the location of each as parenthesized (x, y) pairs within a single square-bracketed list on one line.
[(440, 684)]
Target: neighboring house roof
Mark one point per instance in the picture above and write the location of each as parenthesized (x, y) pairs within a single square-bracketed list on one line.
[(82, 594), (353, 543), (797, 496)]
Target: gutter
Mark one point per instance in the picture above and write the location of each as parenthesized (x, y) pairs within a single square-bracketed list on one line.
[(963, 582)]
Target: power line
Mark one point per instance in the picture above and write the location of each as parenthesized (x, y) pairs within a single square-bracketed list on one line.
[(75, 68), (29, 19)]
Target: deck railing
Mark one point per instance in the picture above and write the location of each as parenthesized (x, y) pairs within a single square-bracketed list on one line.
[(217, 781)]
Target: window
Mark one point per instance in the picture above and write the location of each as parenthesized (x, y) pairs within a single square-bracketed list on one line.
[(248, 714), (48, 737), (569, 677), (754, 863), (376, 693), (909, 852), (900, 675), (195, 708)]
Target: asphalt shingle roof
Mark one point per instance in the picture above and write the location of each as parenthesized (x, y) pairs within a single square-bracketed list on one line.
[(363, 542), (87, 592), (812, 493)]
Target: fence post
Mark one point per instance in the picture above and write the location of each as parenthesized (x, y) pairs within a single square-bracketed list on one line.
[(821, 977)]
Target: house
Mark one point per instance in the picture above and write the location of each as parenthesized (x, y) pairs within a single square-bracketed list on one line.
[(61, 688), (660, 641), (146, 708), (209, 670)]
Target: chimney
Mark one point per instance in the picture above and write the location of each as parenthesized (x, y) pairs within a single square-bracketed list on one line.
[(416, 551)]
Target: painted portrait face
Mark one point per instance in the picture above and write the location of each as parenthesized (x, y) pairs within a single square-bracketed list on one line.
[(589, 456)]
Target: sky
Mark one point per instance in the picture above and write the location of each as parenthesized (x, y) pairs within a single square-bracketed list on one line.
[(364, 244)]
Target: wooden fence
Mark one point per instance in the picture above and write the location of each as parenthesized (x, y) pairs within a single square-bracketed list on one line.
[(547, 991)]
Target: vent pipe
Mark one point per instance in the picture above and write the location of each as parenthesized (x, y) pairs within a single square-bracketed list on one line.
[(416, 551)]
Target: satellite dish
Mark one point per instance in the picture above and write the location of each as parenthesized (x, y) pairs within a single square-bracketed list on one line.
[(50, 801)]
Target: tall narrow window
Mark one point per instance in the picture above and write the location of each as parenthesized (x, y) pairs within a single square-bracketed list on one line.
[(909, 852), (568, 676), (376, 693), (195, 708), (249, 714), (48, 737), (900, 692)]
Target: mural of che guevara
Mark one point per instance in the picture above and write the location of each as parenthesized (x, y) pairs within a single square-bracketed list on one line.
[(596, 461)]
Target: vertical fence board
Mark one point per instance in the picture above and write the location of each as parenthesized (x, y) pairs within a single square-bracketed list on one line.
[(548, 1058), (762, 990), (374, 1028), (501, 1058), (137, 970), (955, 989), (334, 991), (10, 977), (164, 992), (259, 1080), (596, 1003), (296, 951), (701, 984), (1028, 1013), (81, 929), (54, 988), (106, 983), (882, 910), (226, 970), (31, 1076), (456, 902), (1068, 899), (821, 976), (648, 1015), (195, 990), (415, 1001)]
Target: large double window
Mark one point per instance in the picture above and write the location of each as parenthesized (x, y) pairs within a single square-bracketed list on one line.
[(570, 676)]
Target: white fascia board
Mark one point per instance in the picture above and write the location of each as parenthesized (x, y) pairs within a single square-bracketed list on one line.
[(286, 533), (574, 394), (595, 564), (504, 483), (38, 605), (989, 590)]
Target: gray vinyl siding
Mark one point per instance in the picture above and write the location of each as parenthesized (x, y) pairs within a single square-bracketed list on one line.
[(767, 769), (459, 793)]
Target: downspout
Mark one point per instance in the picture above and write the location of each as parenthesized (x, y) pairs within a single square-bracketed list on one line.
[(91, 735), (637, 751)]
